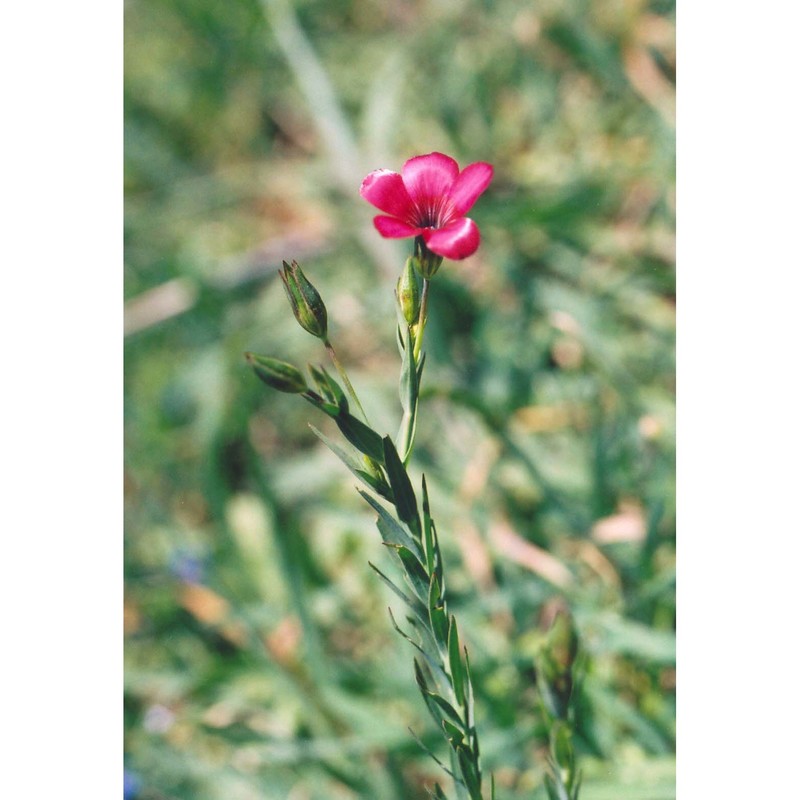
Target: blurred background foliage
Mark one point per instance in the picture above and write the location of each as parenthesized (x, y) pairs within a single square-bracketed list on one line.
[(260, 660)]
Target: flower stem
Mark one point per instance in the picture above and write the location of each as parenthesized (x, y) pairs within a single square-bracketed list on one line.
[(423, 318), (343, 374)]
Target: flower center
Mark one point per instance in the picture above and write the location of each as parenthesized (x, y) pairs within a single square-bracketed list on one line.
[(432, 211)]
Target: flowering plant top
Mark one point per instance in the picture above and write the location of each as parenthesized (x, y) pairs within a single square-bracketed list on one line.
[(429, 199)]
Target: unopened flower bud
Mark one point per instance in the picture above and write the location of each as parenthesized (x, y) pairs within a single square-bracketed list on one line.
[(428, 263), (307, 305), (408, 292), (563, 642), (277, 374), (328, 387)]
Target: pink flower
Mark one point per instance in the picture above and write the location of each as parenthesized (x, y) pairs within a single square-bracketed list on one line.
[(430, 200)]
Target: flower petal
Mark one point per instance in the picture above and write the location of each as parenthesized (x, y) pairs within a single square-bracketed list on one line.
[(391, 228), (385, 190), (469, 185), (458, 240), (429, 177)]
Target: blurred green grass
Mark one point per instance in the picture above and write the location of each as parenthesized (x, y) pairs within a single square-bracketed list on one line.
[(260, 661)]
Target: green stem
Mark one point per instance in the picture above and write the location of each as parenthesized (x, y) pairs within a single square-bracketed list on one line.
[(343, 374), (408, 424), (423, 318)]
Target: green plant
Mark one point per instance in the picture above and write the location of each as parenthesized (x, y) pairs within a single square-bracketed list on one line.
[(428, 202)]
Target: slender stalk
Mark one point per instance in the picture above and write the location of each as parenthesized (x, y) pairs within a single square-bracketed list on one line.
[(408, 424), (423, 318), (343, 374)]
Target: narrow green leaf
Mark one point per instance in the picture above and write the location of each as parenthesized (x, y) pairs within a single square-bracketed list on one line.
[(426, 505), (392, 532), (461, 787), (409, 388), (417, 576), (328, 387), (427, 538), (493, 797), (447, 708), (438, 672), (424, 747), (555, 787), (437, 614), (438, 569), (438, 793), (343, 456), (434, 701), (404, 498), (399, 592), (576, 787), (469, 697), (379, 486), (454, 659), (427, 695), (470, 773), (362, 437), (336, 389), (427, 642), (409, 396), (454, 734), (331, 410)]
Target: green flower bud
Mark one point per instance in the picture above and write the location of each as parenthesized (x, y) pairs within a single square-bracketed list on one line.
[(428, 263), (555, 663), (307, 305), (409, 292), (328, 388), (277, 374), (563, 642)]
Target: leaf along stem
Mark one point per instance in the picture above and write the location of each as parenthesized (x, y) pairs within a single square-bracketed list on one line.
[(423, 318)]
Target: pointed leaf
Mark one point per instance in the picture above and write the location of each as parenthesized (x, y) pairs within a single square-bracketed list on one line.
[(461, 787), (454, 659), (365, 477), (331, 410), (438, 570), (454, 734), (437, 615), (328, 387), (431, 754), (392, 585), (438, 793), (469, 697), (417, 576), (420, 367), (409, 388), (391, 530), (447, 708), (427, 538), (439, 673), (427, 695), (362, 437), (432, 697), (404, 499), (555, 788), (576, 786), (470, 772)]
